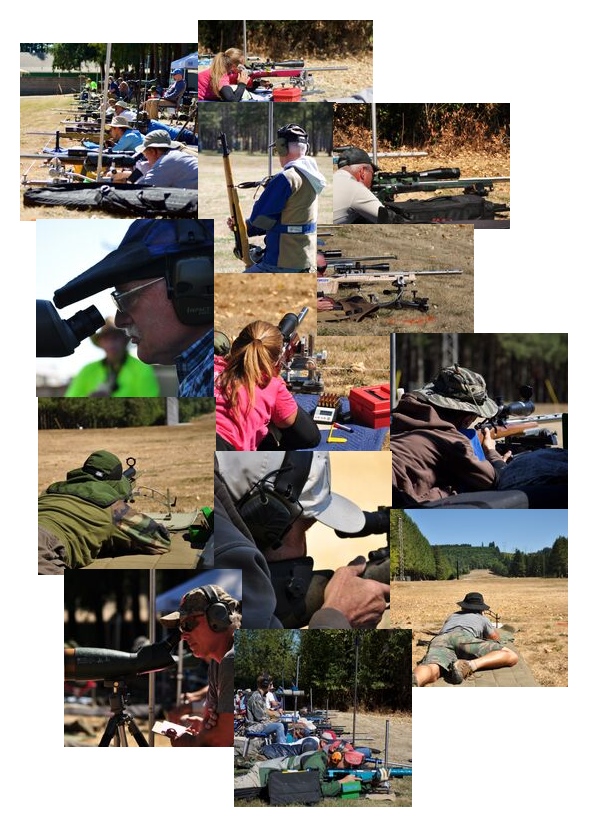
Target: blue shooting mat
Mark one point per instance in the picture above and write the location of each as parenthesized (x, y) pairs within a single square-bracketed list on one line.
[(363, 438)]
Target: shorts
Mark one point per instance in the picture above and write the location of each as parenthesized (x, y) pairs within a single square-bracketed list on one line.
[(446, 648)]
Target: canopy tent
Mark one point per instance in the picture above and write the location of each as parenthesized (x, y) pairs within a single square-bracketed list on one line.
[(188, 62), (228, 579)]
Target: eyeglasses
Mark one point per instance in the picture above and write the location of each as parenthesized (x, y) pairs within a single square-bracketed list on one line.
[(190, 623), (121, 298)]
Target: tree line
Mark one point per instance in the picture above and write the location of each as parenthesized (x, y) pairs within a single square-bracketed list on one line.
[(84, 412), (413, 557), (506, 361), (287, 39), (246, 132), (425, 124), (331, 667), (128, 60)]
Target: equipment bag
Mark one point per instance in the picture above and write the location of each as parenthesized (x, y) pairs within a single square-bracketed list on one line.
[(445, 209), (300, 787)]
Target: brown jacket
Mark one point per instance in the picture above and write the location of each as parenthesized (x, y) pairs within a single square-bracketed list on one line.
[(431, 459)]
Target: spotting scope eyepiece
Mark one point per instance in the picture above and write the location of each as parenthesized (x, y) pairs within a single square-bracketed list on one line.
[(56, 337)]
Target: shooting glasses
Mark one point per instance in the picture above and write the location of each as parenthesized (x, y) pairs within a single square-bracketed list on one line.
[(190, 623), (121, 297)]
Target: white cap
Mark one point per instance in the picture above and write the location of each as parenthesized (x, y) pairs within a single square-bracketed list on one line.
[(242, 469)]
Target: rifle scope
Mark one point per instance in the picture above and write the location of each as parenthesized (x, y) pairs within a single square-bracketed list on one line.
[(290, 322), (56, 337), (520, 408), (376, 523)]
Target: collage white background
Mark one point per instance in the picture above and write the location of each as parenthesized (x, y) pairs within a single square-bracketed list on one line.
[(496, 757)]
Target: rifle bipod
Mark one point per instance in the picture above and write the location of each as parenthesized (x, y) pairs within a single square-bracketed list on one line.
[(358, 307), (120, 719)]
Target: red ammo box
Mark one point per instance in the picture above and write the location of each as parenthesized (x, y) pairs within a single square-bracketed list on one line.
[(371, 406), (287, 93)]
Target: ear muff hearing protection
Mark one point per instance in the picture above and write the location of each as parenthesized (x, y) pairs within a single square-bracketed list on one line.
[(272, 505), (190, 276), (217, 613), (290, 134)]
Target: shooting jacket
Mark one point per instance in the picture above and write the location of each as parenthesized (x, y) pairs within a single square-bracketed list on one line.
[(431, 459), (286, 213)]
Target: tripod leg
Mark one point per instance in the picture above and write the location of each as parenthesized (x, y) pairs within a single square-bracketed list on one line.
[(137, 734), (109, 732)]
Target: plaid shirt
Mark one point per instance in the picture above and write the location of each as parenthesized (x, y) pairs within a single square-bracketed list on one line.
[(195, 368)]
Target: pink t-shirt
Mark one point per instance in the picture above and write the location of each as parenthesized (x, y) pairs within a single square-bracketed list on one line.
[(205, 93), (272, 404)]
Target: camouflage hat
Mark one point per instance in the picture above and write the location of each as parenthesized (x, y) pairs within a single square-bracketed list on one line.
[(458, 389), (104, 466), (196, 601)]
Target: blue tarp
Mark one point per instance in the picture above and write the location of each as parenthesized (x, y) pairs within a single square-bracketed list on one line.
[(228, 579)]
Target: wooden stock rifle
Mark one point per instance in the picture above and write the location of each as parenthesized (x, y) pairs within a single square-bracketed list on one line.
[(241, 246), (518, 430)]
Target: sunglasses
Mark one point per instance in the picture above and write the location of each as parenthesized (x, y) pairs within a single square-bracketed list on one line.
[(121, 297), (189, 624)]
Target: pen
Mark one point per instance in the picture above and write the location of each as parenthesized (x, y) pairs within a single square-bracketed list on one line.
[(343, 427)]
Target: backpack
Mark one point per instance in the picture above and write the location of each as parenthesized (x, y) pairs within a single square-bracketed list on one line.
[(443, 209)]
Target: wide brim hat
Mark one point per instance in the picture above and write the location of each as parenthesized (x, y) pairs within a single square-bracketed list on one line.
[(120, 121), (460, 390), (140, 255), (157, 139), (473, 601), (241, 470), (110, 328)]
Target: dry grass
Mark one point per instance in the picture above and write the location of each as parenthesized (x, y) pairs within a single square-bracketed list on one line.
[(175, 458), (416, 247), (536, 609), (242, 298), (479, 159)]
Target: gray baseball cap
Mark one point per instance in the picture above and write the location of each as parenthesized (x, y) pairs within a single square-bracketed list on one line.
[(242, 469)]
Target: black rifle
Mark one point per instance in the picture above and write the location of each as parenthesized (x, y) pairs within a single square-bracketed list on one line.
[(386, 185), (300, 591), (299, 368)]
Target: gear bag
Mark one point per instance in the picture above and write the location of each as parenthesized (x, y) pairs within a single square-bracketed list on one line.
[(445, 209), (300, 787)]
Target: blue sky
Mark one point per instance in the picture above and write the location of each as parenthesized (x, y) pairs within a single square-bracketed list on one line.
[(526, 529), (64, 249)]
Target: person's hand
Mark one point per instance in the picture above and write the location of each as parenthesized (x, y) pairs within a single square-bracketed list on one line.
[(489, 443), (187, 739), (231, 223), (193, 723), (243, 76), (210, 718), (362, 600)]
